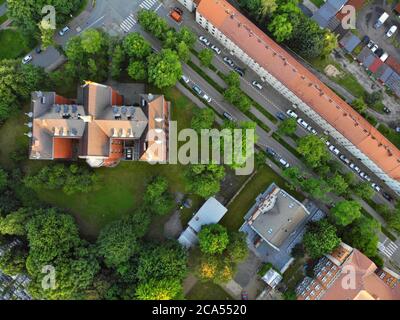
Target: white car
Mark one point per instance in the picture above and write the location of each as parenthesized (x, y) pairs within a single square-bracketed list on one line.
[(391, 31), (257, 85), (370, 44), (344, 159), (292, 114), (207, 98), (27, 59), (313, 131), (284, 163), (63, 31), (376, 187), (374, 48), (185, 78), (328, 144), (301, 122), (334, 150), (204, 40), (216, 49), (362, 174), (384, 57), (354, 167)]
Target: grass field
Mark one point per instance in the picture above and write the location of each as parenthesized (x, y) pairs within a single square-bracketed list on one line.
[(14, 44), (233, 219), (207, 291), (318, 3)]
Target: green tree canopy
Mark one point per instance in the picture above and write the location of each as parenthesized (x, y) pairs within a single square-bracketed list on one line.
[(164, 69), (313, 149), (338, 184), (136, 47), (157, 198), (202, 119), (137, 70), (281, 27), (363, 235), (14, 223), (204, 180), (345, 212), (237, 249), (287, 127), (164, 289), (213, 239), (205, 56)]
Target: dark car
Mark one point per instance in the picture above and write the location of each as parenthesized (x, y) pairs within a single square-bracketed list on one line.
[(281, 116), (38, 50), (379, 52), (197, 90), (387, 196), (239, 71), (365, 40), (270, 151), (386, 110)]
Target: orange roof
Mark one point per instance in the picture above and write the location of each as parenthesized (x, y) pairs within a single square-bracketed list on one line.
[(116, 98), (303, 84), (393, 63), (62, 148), (61, 100)]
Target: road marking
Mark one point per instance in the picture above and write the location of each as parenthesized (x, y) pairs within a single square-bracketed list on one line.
[(159, 6), (388, 248), (92, 24), (148, 4), (128, 23)]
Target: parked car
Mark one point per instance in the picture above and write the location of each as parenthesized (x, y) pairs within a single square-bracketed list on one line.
[(27, 59), (228, 116), (334, 150), (397, 129), (216, 49), (362, 174), (63, 31), (245, 295), (344, 159), (391, 31), (207, 98), (197, 89), (281, 116), (365, 40), (327, 143), (301, 122), (239, 71), (381, 20), (185, 78), (354, 167), (374, 48), (257, 85), (313, 131), (376, 187), (370, 44), (38, 50), (384, 56), (270, 151), (387, 196), (229, 62), (292, 114), (379, 52), (176, 15), (204, 40), (284, 163), (386, 110)]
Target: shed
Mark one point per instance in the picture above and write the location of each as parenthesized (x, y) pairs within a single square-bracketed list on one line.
[(349, 42), (375, 65), (272, 278), (384, 72), (324, 14)]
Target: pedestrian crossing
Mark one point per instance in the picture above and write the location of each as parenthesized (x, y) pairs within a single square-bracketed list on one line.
[(148, 4), (128, 23), (388, 248)]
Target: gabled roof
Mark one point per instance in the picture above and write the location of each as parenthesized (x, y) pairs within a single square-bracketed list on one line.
[(305, 85), (393, 63), (393, 82), (211, 212), (375, 65)]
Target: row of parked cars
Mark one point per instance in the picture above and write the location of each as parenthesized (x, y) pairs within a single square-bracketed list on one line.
[(332, 148), (197, 89)]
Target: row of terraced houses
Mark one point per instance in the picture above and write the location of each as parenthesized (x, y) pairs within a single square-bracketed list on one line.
[(279, 69)]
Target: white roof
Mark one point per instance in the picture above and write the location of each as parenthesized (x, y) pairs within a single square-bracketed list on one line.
[(211, 212), (188, 238), (272, 278)]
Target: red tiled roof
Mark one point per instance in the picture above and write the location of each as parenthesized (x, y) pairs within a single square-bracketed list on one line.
[(62, 148), (397, 8), (393, 63), (303, 84), (62, 100), (375, 65), (116, 98)]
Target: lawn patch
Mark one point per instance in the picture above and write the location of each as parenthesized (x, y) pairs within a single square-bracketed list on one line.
[(207, 291), (14, 44)]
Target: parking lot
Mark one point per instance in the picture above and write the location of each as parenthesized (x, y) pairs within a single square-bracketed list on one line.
[(366, 19)]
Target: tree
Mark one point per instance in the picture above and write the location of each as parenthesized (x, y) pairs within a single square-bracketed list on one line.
[(137, 70), (345, 212), (92, 41), (313, 149), (232, 79), (162, 261), (151, 22), (215, 268), (237, 249), (136, 47), (205, 57), (47, 34), (338, 184), (204, 180), (373, 98), (202, 119), (329, 43), (293, 175), (14, 223), (12, 261), (235, 96), (213, 239), (281, 28), (118, 241), (164, 69), (157, 198), (364, 190), (287, 127), (318, 188), (3, 179), (320, 238), (187, 36), (164, 289), (117, 60), (267, 7), (363, 235), (359, 105), (183, 51)]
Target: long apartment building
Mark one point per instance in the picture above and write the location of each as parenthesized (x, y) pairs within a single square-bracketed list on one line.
[(279, 69)]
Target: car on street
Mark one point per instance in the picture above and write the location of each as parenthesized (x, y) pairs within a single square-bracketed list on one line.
[(204, 40), (281, 116), (387, 196), (397, 129), (334, 150), (376, 187), (257, 85), (370, 44), (354, 167), (229, 62), (292, 114), (207, 98), (344, 159), (284, 163), (365, 40), (386, 110), (313, 131), (270, 151), (379, 52), (197, 89), (374, 48), (384, 57), (228, 116), (185, 79), (216, 49), (27, 59), (301, 122), (63, 31), (391, 31), (239, 71), (362, 174)]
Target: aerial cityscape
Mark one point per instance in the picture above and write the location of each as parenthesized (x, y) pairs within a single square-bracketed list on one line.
[(200, 150)]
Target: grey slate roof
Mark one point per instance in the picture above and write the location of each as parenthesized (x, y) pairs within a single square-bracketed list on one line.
[(324, 14), (349, 42)]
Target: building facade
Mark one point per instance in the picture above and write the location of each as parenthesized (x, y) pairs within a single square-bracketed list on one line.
[(306, 92)]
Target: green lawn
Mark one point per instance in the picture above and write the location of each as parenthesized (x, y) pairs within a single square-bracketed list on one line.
[(391, 134), (3, 18), (13, 44), (318, 3), (233, 219), (207, 291)]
